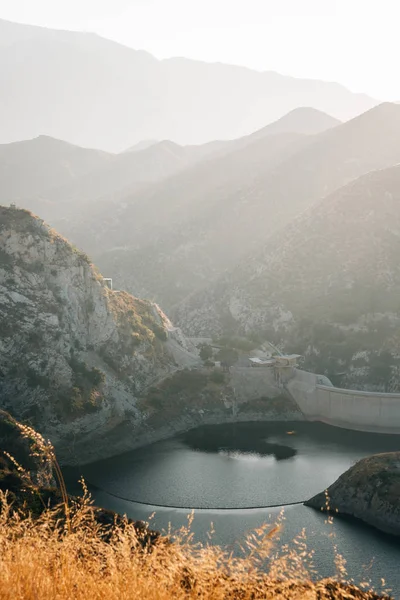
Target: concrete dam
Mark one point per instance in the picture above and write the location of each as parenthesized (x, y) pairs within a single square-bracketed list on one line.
[(319, 400)]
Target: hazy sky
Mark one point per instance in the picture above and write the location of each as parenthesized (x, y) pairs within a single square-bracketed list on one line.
[(354, 42)]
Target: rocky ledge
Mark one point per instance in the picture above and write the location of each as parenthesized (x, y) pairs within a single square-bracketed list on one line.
[(370, 491)]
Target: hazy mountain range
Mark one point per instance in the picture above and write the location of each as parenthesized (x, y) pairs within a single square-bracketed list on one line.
[(178, 235), (58, 180), (289, 230), (96, 93), (61, 182), (336, 262), (193, 225)]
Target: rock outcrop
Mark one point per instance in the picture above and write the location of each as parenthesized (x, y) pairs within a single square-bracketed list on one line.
[(370, 491), (74, 355)]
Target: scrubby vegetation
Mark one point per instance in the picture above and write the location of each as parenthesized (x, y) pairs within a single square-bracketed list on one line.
[(206, 352), (18, 219), (84, 396), (238, 343), (279, 404), (184, 390), (217, 377), (137, 319)]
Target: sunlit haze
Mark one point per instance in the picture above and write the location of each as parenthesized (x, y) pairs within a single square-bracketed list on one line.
[(199, 299), (353, 42)]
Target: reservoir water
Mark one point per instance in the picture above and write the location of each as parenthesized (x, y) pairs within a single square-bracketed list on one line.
[(239, 476)]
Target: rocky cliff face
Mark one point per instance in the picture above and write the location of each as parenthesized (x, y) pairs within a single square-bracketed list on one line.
[(370, 491), (74, 355)]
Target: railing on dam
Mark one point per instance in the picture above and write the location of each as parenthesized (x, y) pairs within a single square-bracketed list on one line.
[(353, 409), (358, 392)]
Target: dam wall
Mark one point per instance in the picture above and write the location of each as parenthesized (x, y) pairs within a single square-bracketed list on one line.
[(350, 409)]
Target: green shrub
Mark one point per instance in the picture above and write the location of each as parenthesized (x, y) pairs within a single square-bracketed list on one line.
[(96, 377), (159, 332), (81, 254), (228, 355), (77, 402), (209, 363), (206, 352), (85, 378), (237, 343), (35, 380), (217, 377)]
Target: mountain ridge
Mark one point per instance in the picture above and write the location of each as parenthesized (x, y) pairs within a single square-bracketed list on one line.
[(127, 172), (30, 166), (123, 95), (212, 215)]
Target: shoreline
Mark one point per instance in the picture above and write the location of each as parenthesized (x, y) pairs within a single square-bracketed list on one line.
[(123, 442)]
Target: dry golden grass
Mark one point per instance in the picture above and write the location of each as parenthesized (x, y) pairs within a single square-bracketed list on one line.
[(46, 559)]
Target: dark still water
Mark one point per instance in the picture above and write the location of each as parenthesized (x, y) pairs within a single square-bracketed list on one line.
[(238, 476)]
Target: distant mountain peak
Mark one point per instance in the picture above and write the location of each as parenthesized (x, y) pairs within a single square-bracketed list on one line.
[(44, 141), (304, 120), (142, 145), (304, 111), (385, 109)]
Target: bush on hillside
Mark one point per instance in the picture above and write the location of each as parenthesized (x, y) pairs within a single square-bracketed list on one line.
[(217, 377), (206, 352)]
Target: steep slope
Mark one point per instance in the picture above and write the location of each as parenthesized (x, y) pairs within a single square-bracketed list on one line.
[(328, 285), (188, 230), (74, 356), (29, 167), (126, 96)]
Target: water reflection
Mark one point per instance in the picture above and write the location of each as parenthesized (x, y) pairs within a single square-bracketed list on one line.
[(236, 440), (239, 465)]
